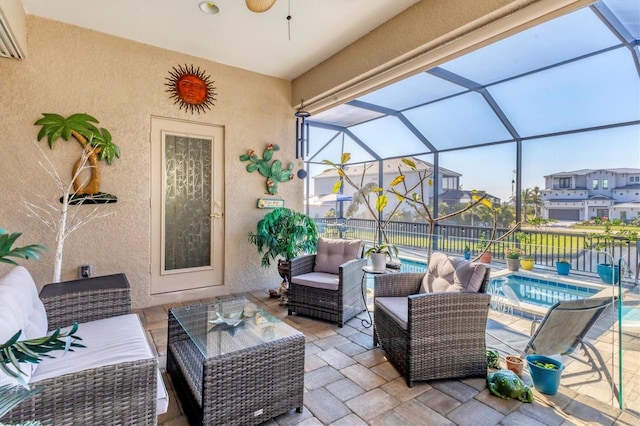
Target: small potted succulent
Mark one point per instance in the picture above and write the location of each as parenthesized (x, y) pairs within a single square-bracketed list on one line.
[(526, 262), (467, 252)]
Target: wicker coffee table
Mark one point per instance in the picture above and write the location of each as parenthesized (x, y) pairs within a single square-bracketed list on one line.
[(229, 370)]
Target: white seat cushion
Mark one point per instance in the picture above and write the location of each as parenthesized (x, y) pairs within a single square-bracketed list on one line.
[(318, 280), (396, 307), (20, 309), (108, 341)]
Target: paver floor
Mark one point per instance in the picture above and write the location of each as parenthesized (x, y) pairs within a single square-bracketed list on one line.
[(349, 382)]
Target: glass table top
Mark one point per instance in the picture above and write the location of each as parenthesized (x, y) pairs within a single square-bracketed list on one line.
[(230, 325)]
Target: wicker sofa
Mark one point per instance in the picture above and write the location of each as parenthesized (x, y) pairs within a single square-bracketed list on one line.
[(328, 285), (433, 326), (114, 380)]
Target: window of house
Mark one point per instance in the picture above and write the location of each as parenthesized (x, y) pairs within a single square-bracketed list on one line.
[(594, 184), (564, 182), (634, 179), (450, 183), (605, 183)]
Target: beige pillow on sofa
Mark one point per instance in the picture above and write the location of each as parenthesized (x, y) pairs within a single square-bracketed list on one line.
[(332, 253), (452, 275)]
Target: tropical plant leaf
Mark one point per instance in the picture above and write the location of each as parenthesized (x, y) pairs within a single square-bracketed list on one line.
[(344, 159), (409, 163), (381, 202), (11, 395), (397, 180), (31, 251), (336, 187), (13, 352)]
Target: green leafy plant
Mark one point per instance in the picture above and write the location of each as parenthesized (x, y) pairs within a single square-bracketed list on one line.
[(272, 170), (513, 253), (388, 249), (563, 261), (284, 233), (482, 244), (31, 251), (13, 352), (547, 365)]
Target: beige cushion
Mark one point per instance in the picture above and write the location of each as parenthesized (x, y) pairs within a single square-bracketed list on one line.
[(318, 280), (452, 275), (396, 307), (332, 253)]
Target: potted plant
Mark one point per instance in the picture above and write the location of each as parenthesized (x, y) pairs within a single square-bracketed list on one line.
[(513, 258), (284, 234), (545, 373), (605, 241), (526, 262), (379, 254), (563, 266), (481, 245), (467, 252), (515, 363)]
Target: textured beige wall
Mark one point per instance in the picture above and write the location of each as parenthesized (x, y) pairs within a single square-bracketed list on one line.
[(122, 83)]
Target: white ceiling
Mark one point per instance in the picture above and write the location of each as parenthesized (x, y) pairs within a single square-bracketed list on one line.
[(236, 36)]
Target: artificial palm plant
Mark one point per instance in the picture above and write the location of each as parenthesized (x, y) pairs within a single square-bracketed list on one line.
[(284, 234)]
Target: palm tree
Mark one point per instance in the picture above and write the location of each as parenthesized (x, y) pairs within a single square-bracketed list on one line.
[(536, 201), (96, 144)]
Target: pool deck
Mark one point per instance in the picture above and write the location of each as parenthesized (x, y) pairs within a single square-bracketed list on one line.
[(349, 382)]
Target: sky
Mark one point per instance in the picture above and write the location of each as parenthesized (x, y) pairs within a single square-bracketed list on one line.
[(585, 91)]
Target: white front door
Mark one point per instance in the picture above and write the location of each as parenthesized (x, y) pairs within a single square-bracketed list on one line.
[(187, 205)]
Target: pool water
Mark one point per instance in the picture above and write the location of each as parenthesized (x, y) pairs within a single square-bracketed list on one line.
[(540, 292)]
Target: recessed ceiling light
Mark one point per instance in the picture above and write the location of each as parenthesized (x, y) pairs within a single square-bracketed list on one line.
[(209, 7)]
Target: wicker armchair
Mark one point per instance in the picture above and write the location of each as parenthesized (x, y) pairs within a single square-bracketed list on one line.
[(123, 393), (431, 335), (334, 296)]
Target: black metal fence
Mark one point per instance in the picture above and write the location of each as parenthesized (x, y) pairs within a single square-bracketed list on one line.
[(544, 246)]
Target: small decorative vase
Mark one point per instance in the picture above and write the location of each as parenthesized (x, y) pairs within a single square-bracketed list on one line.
[(526, 263), (467, 255), (545, 380), (513, 264), (515, 363)]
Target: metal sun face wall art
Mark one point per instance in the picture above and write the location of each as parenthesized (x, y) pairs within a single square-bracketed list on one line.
[(191, 89)]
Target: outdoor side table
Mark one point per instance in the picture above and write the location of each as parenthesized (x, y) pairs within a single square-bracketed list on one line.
[(368, 270), (234, 370)]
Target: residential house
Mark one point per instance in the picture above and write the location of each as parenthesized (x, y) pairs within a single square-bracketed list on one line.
[(587, 193)]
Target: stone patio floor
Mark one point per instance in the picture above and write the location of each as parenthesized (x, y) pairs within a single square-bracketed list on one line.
[(349, 382)]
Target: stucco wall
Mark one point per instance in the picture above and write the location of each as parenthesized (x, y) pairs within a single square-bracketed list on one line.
[(122, 83)]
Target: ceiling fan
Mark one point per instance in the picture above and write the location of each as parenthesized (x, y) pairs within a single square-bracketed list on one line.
[(257, 6)]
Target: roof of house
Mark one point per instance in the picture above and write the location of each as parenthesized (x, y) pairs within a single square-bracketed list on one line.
[(583, 172), (390, 166)]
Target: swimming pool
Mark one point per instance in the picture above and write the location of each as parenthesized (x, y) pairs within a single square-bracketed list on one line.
[(540, 292)]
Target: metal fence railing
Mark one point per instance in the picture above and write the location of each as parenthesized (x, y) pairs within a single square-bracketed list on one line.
[(544, 246)]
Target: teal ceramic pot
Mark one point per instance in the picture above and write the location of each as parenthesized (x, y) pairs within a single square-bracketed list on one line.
[(608, 273), (563, 268), (545, 380)]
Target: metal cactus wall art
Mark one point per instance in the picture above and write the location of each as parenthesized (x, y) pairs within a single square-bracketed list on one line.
[(267, 167)]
